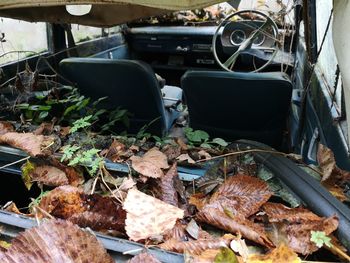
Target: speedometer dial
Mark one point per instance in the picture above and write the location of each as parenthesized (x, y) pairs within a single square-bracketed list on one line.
[(259, 39), (237, 37)]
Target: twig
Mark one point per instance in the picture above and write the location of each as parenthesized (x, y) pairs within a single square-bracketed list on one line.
[(109, 189), (94, 186), (13, 163), (241, 152)]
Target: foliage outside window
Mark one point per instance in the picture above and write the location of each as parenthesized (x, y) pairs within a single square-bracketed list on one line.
[(19, 35)]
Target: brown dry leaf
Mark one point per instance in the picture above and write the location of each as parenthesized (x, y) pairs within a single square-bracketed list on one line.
[(235, 224), (336, 191), (45, 128), (115, 151), (74, 175), (99, 213), (172, 152), (196, 247), (144, 258), (64, 131), (55, 241), (280, 254), (178, 232), (198, 200), (34, 145), (167, 188), (12, 207), (204, 155), (242, 195), (6, 127), (185, 158), (299, 234), (48, 175), (326, 161), (279, 213), (157, 158), (63, 201), (150, 164), (148, 216)]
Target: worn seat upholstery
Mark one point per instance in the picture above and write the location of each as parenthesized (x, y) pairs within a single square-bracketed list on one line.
[(129, 84), (235, 105)]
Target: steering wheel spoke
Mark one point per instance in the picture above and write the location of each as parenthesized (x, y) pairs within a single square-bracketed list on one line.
[(247, 46)]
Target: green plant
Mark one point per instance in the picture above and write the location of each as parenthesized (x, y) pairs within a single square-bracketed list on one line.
[(117, 115), (201, 138), (81, 123), (320, 239)]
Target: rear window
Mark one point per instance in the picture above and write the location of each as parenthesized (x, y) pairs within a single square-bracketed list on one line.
[(86, 33), (18, 36)]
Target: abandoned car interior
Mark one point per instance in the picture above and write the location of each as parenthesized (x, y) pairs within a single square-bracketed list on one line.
[(174, 131)]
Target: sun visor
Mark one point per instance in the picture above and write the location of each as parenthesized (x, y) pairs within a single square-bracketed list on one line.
[(98, 13)]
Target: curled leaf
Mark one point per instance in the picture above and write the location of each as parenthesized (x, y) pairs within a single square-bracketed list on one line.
[(168, 191)]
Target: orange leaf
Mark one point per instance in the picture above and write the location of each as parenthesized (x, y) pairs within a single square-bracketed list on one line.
[(277, 255), (6, 127)]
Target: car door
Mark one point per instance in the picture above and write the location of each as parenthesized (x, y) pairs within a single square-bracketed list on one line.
[(318, 112)]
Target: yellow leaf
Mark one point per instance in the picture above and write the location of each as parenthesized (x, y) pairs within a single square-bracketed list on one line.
[(277, 255)]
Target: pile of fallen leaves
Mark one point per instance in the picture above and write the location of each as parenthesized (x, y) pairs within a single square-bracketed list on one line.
[(236, 218)]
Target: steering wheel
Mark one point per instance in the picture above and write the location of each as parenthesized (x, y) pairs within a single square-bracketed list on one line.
[(260, 26)]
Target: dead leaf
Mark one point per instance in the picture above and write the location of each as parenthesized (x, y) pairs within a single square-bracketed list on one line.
[(193, 229), (204, 155), (167, 188), (34, 145), (64, 131), (299, 234), (172, 152), (55, 241), (6, 127), (100, 213), (178, 232), (150, 164), (48, 175), (278, 255), (185, 158), (216, 217), (115, 151), (242, 195), (326, 161), (199, 200), (144, 258), (279, 213), (148, 216), (45, 128), (157, 158), (196, 247)]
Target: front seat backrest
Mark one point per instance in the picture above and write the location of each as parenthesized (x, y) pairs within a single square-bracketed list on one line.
[(129, 84), (235, 105)]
